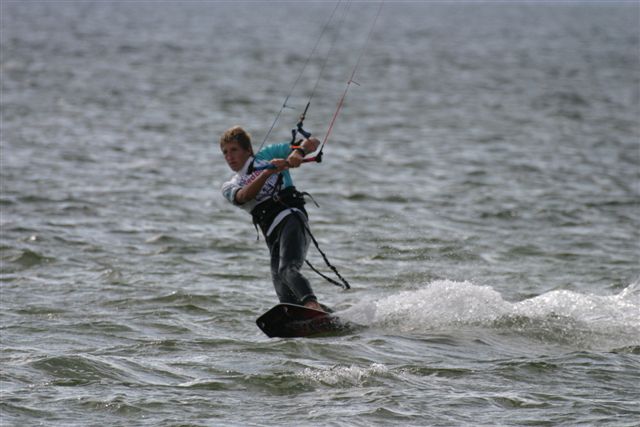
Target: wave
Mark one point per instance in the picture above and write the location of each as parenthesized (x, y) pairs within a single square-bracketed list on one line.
[(22, 259), (343, 375), (559, 316)]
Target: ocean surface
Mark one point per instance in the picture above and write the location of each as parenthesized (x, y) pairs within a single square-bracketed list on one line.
[(480, 191)]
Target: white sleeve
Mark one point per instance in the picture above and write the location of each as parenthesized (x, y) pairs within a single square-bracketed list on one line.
[(229, 190)]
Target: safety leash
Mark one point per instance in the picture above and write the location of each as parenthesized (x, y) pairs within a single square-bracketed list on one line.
[(344, 284)]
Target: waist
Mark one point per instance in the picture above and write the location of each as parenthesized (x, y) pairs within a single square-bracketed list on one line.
[(265, 213)]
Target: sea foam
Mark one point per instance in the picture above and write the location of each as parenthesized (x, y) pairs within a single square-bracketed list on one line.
[(560, 315)]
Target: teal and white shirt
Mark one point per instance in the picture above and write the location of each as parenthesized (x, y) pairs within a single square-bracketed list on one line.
[(243, 178)]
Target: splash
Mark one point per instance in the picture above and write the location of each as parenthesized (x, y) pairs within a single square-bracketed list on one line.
[(439, 304), (560, 316)]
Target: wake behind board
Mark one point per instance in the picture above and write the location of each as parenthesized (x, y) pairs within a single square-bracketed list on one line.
[(290, 320)]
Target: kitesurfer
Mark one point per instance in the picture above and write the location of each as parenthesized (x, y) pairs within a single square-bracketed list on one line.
[(275, 205)]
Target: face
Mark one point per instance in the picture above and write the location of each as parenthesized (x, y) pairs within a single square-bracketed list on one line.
[(235, 155)]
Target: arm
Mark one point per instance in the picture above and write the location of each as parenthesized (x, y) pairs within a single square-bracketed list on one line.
[(308, 146), (250, 191), (294, 160)]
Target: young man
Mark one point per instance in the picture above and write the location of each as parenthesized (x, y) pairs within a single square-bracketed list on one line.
[(275, 205)]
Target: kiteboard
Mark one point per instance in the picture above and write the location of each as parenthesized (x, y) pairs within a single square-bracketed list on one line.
[(290, 320)]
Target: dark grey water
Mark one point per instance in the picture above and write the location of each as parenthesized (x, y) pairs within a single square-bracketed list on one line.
[(481, 192)]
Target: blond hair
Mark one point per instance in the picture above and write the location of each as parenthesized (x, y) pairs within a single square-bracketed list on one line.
[(239, 135)]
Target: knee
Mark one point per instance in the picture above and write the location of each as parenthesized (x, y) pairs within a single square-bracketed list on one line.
[(288, 271)]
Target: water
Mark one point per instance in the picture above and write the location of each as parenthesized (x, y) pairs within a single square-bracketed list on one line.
[(480, 191)]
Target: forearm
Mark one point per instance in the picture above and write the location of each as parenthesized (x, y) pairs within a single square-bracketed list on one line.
[(307, 146), (250, 191)]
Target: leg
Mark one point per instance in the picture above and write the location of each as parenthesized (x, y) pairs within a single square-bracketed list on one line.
[(284, 293), (293, 245)]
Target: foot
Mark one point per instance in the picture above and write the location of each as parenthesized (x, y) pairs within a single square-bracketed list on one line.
[(314, 305)]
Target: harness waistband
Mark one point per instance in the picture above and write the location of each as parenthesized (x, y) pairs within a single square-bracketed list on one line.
[(266, 212)]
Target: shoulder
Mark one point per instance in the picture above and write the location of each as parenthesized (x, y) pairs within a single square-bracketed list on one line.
[(274, 151)]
